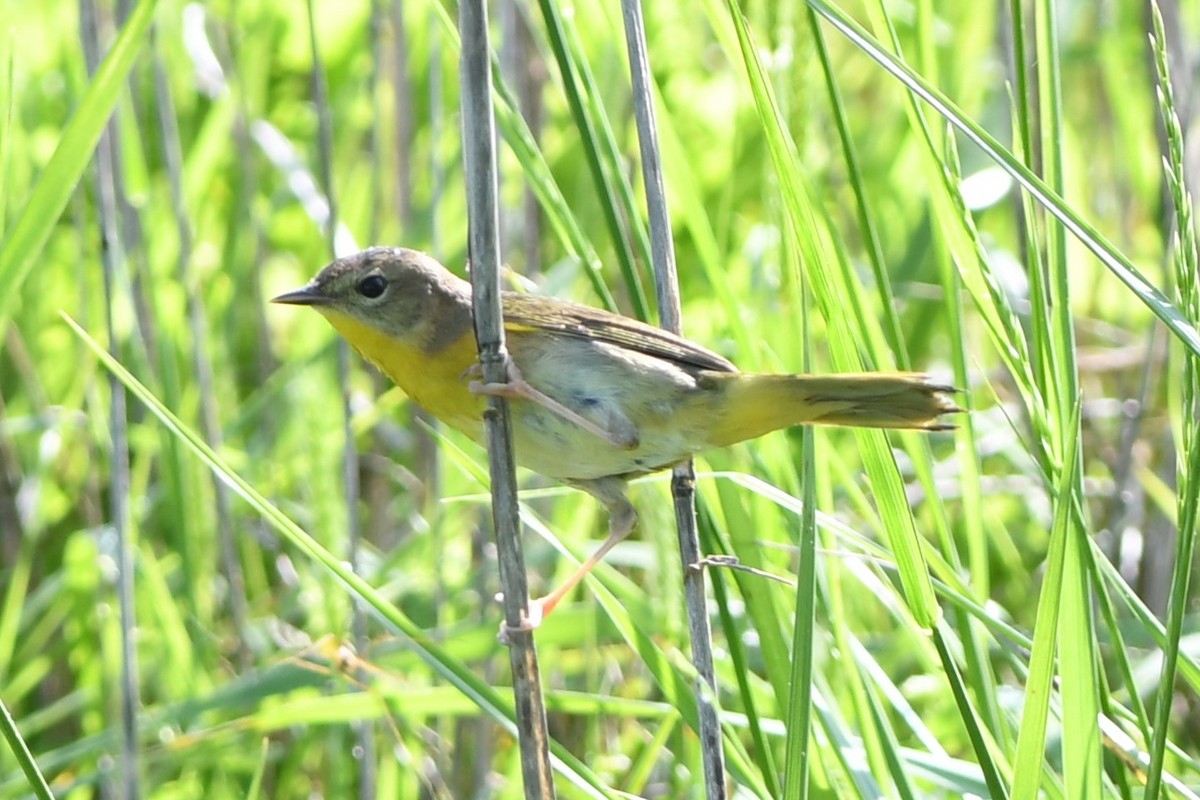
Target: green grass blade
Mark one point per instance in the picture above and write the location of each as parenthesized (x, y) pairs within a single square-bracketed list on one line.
[(37, 782), (625, 222), (1109, 256), (799, 701), (7, 104), (866, 220), (1039, 685), (1187, 281), (435, 655), (257, 781), (23, 245), (877, 457), (517, 135), (762, 751), (1081, 683), (983, 746), (1053, 336)]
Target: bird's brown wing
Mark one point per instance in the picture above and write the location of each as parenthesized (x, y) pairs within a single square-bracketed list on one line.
[(561, 316)]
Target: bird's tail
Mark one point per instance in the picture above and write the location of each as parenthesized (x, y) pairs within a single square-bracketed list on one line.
[(756, 404)]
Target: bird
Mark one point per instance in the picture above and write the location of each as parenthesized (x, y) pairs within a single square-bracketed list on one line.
[(596, 398)]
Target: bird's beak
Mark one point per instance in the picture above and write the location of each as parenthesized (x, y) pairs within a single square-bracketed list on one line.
[(308, 295)]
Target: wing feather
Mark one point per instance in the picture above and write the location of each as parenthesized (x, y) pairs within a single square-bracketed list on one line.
[(585, 322)]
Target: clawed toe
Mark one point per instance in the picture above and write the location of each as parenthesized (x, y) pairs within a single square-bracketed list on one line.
[(498, 389), (529, 622)]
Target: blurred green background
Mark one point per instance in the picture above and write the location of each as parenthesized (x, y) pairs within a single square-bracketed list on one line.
[(821, 216)]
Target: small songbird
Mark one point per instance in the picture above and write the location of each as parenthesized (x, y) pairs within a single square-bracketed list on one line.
[(595, 398)]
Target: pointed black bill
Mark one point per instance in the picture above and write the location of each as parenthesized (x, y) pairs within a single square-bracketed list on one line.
[(304, 296)]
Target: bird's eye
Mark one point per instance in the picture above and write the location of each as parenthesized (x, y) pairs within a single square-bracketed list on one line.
[(372, 286)]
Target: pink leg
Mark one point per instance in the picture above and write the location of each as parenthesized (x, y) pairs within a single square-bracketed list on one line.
[(622, 518)]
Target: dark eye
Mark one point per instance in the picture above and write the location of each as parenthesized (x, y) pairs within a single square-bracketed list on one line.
[(372, 286)]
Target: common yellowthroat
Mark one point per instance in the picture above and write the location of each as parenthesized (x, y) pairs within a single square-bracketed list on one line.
[(596, 398)]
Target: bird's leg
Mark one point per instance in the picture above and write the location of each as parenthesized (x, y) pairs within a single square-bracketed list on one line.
[(622, 518), (623, 432)]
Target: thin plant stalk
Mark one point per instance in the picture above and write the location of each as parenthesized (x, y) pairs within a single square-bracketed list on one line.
[(107, 204), (479, 161), (201, 361), (683, 477), (1187, 277), (620, 234), (8, 729), (350, 481)]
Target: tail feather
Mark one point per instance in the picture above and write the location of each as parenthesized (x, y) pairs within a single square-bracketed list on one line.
[(753, 405)]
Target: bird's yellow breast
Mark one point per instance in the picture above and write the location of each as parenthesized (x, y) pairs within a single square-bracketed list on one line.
[(660, 400), (436, 382)]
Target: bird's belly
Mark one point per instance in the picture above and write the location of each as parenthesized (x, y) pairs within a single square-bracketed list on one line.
[(558, 448)]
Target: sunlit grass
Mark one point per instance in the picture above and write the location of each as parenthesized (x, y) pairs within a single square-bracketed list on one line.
[(978, 597)]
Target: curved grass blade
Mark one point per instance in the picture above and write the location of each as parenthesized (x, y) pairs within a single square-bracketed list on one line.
[(877, 457), (24, 243), (1039, 685), (1091, 238), (436, 656), (1187, 278), (8, 727)]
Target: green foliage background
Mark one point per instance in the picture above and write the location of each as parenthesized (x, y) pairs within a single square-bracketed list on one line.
[(992, 606)]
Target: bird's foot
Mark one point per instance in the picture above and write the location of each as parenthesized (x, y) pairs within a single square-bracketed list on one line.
[(537, 610)]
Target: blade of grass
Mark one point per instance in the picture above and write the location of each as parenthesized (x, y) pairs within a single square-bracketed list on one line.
[(890, 747), (878, 459), (260, 770), (845, 754), (1187, 281), (761, 751), (862, 209), (1109, 256), (1049, 309), (683, 477), (1053, 335), (458, 674), (529, 154), (973, 522), (605, 160), (480, 169), (23, 245), (984, 747), (798, 711), (1081, 683), (1039, 685), (7, 104), (25, 760), (838, 600)]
